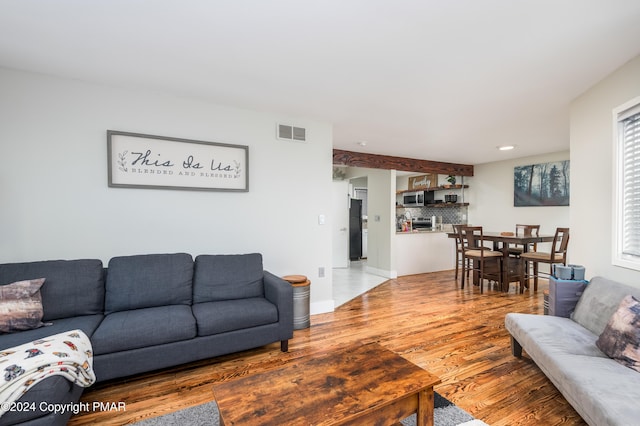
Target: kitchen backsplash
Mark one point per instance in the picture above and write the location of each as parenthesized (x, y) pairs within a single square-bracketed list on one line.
[(450, 214)]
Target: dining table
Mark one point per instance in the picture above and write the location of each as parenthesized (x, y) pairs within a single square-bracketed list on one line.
[(501, 242)]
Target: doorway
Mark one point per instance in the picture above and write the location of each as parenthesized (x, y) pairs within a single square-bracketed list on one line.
[(350, 277)]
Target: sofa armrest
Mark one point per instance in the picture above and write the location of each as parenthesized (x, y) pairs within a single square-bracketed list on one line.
[(280, 293)]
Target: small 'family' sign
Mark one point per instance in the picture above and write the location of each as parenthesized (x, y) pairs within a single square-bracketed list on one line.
[(145, 161)]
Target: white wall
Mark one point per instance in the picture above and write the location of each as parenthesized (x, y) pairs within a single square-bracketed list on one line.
[(381, 223), (490, 197), (592, 171), (55, 203)]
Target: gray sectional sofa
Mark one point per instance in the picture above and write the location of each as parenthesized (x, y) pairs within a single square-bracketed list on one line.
[(600, 389), (149, 312)]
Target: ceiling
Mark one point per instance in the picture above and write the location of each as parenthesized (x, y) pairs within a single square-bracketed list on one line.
[(442, 80)]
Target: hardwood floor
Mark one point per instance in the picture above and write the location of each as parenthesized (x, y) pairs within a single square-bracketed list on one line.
[(456, 334)]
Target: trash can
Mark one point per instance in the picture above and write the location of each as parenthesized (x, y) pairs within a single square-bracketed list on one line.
[(564, 295), (301, 292)]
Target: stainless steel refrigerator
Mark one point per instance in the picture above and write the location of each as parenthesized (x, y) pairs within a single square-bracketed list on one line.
[(355, 229)]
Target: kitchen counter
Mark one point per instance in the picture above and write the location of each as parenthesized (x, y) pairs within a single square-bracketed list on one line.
[(421, 231), (425, 251)]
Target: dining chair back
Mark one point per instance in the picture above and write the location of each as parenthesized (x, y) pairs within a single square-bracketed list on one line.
[(560, 245), (525, 231)]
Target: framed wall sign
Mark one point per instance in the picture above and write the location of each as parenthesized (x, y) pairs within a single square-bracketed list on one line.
[(423, 181), (159, 162)]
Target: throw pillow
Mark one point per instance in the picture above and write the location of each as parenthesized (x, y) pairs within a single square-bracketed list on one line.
[(620, 339), (21, 306)]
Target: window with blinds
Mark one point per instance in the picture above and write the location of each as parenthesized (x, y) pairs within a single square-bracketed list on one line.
[(627, 191)]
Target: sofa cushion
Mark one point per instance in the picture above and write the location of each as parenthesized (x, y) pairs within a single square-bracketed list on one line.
[(599, 301), (545, 336), (226, 277), (21, 306), (229, 315), (620, 339), (125, 330), (145, 281), (87, 323), (72, 287)]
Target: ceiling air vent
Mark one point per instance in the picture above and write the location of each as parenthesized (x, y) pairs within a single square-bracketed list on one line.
[(292, 133)]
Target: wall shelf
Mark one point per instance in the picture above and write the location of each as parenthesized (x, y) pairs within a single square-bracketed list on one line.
[(433, 189), (440, 205)]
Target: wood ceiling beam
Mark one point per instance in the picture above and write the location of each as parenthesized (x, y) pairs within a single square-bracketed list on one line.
[(374, 161)]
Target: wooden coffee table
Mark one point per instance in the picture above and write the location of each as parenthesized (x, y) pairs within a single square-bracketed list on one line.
[(356, 385)]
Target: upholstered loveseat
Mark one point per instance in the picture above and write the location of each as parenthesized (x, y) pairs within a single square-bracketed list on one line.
[(149, 312), (601, 389)]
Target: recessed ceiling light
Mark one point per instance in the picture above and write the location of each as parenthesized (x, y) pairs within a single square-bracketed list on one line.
[(506, 147), (362, 143)]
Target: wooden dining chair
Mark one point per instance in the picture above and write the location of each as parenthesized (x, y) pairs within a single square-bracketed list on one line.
[(459, 249), (474, 250), (557, 255)]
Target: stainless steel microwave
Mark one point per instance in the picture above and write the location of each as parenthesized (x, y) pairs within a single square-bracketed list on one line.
[(417, 198)]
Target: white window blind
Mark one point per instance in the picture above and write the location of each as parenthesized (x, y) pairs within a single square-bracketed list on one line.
[(627, 190), (630, 134)]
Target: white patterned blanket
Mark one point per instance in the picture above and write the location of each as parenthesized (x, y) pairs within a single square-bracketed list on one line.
[(67, 354)]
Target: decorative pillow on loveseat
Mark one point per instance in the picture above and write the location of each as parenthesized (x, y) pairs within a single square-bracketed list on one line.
[(21, 306), (620, 339)]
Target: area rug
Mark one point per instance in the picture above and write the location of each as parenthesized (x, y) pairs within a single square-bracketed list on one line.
[(445, 414)]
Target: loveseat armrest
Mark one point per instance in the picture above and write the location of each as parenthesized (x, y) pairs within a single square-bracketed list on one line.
[(280, 293)]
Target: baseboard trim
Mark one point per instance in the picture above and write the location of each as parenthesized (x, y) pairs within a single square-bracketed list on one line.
[(381, 272), (322, 307)]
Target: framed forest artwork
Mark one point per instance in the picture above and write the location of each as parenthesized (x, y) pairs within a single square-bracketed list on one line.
[(545, 184)]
